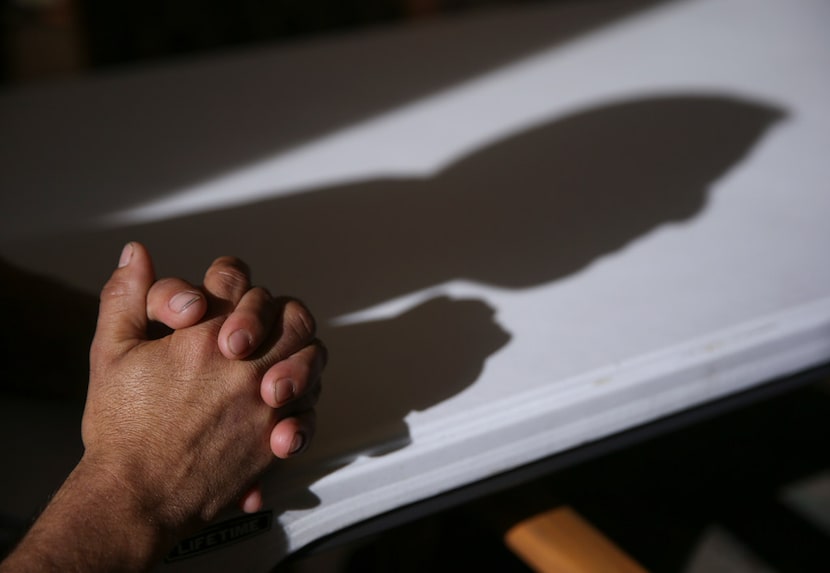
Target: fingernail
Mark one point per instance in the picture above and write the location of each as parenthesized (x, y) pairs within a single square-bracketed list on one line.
[(126, 255), (239, 341), (283, 391), (182, 301), (297, 443)]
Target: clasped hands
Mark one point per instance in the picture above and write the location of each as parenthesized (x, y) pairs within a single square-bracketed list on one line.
[(188, 421), (181, 424)]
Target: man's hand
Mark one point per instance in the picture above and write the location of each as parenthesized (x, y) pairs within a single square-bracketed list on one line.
[(293, 384), (174, 429), (166, 416)]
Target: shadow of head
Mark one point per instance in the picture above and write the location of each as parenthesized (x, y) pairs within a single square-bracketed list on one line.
[(525, 211), (548, 201)]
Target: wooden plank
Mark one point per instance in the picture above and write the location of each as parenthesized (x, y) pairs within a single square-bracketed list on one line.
[(561, 541)]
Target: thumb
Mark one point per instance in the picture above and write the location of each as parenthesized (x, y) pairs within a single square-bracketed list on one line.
[(122, 315)]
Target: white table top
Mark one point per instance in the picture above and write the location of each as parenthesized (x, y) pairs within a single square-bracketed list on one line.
[(522, 229)]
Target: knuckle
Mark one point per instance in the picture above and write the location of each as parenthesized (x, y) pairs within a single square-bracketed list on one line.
[(299, 320), (229, 262), (231, 271), (231, 278), (115, 288), (261, 297)]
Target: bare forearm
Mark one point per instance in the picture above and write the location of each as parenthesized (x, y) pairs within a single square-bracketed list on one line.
[(92, 524)]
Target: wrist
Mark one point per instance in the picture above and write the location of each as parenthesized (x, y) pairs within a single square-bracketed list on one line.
[(126, 509), (96, 523)]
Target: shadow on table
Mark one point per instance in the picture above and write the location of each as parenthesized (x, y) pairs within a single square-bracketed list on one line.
[(526, 211), (149, 131), (403, 364)]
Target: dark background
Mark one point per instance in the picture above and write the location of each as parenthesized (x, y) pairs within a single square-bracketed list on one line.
[(55, 38)]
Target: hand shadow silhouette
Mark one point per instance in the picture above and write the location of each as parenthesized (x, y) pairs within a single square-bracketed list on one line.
[(525, 211), (382, 371), (386, 369)]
